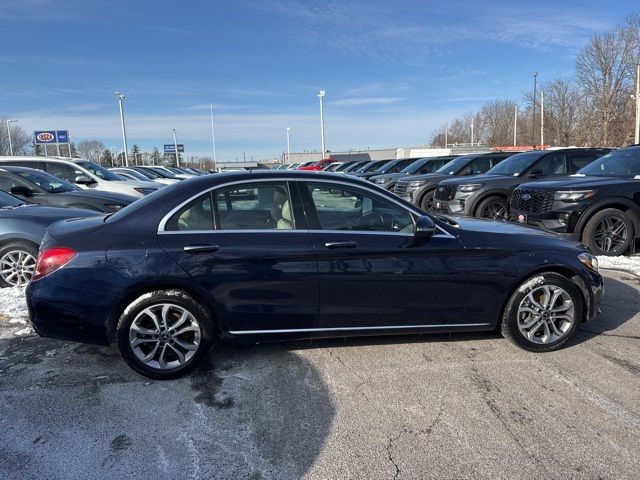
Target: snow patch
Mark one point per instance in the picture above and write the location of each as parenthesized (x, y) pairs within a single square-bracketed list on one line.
[(13, 311), (625, 264), (531, 283)]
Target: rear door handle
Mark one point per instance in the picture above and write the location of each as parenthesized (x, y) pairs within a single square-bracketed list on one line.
[(201, 248), (341, 244)]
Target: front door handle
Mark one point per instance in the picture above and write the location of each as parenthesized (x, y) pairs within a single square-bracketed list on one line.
[(201, 248), (348, 244)]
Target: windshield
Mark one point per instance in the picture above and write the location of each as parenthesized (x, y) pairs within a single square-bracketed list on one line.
[(163, 173), (516, 164), (147, 172), (132, 174), (100, 172), (7, 200), (413, 167), (48, 182), (619, 163), (455, 165)]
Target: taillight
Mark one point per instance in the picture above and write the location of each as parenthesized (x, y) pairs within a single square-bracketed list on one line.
[(51, 260)]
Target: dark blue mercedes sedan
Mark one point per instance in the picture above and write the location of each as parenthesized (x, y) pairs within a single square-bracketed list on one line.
[(255, 256)]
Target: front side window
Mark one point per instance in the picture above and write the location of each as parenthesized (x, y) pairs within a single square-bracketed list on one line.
[(255, 206), (551, 165), (64, 171), (340, 207)]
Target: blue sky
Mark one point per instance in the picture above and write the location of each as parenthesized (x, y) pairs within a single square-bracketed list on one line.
[(393, 70)]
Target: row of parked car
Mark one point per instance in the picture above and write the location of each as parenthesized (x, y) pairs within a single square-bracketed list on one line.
[(589, 194), (36, 192)]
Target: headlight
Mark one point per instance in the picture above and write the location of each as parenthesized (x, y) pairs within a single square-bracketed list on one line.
[(380, 181), (417, 183), (114, 207), (574, 195), (471, 187), (589, 261), (144, 190)]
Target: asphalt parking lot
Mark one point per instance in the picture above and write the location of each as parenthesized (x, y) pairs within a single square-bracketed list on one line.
[(435, 406)]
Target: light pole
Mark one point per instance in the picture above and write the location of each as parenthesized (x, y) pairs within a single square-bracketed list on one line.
[(446, 134), (321, 96), (533, 119), (120, 97), (637, 135), (541, 119), (9, 122), (175, 144), (515, 126), (213, 137), (288, 146), (471, 133)]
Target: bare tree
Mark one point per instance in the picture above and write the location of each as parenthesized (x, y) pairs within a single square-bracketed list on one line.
[(91, 149), (20, 140), (604, 70), (562, 113), (496, 126)]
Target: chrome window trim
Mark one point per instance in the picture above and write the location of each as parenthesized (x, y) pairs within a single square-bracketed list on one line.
[(352, 329), (414, 211)]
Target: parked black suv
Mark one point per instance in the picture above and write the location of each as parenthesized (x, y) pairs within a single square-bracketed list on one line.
[(369, 168), (405, 186), (420, 189), (487, 195), (416, 167), (599, 206)]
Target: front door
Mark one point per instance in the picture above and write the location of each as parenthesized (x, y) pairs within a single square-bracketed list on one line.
[(373, 271)]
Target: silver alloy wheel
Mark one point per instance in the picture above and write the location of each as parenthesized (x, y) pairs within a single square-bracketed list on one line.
[(17, 267), (546, 314), (164, 336), (495, 211), (611, 233)]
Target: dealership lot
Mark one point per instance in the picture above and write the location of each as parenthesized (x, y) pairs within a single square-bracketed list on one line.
[(404, 407)]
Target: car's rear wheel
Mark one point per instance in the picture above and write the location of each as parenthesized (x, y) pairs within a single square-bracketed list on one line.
[(608, 232), (427, 201), (164, 334), (17, 263), (495, 208), (543, 312)]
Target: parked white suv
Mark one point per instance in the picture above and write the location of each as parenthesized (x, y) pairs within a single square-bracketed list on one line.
[(83, 173)]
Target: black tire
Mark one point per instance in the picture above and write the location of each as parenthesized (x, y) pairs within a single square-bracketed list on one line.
[(154, 300), (495, 208), (14, 277), (600, 237), (511, 325), (427, 200)]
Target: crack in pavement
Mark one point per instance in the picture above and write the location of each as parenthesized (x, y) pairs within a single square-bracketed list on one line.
[(424, 431)]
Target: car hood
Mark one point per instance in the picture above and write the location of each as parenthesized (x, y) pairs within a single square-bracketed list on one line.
[(103, 195), (481, 233), (44, 212), (578, 183), (484, 178), (411, 178), (138, 183)]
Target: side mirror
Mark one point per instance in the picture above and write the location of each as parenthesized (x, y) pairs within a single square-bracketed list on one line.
[(21, 190), (425, 227), (534, 173), (84, 180)]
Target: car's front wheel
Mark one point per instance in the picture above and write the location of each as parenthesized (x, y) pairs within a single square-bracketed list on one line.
[(608, 232), (427, 201), (164, 334), (495, 208), (543, 312)]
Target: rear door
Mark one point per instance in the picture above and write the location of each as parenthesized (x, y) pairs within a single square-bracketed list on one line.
[(247, 245)]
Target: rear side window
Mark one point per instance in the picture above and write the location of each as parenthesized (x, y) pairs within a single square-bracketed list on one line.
[(197, 215), (254, 206)]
